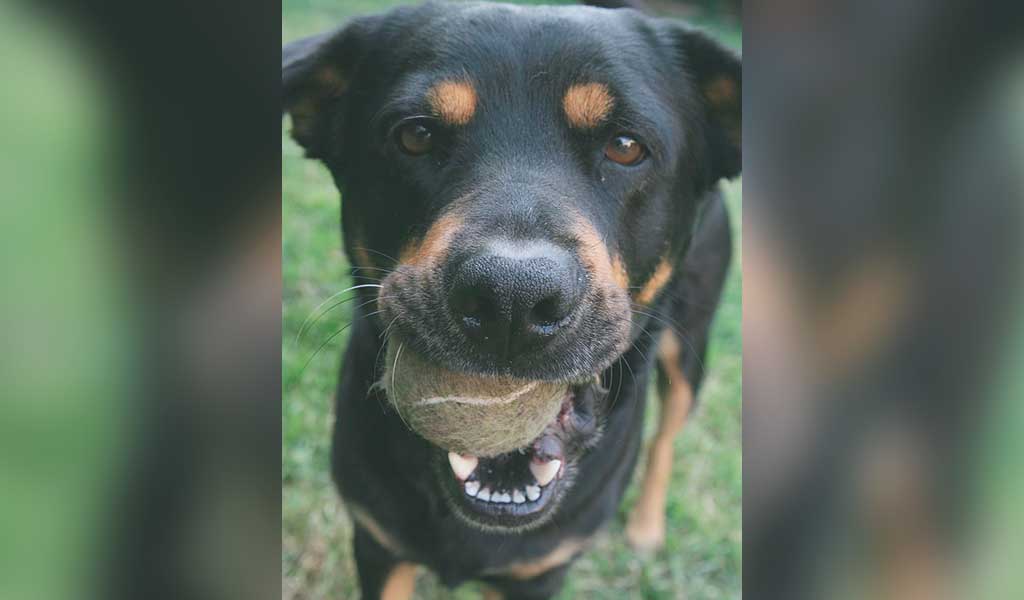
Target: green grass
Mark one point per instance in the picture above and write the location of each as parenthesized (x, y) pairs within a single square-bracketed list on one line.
[(702, 557)]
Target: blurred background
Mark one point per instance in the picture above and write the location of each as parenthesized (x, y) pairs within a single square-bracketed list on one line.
[(702, 557)]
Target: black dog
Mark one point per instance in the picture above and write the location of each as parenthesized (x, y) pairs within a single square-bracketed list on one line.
[(547, 179)]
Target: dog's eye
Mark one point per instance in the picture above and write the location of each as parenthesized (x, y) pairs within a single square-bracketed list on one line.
[(415, 139), (625, 150)]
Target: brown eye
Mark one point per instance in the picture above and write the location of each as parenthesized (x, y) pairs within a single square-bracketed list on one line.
[(625, 150), (415, 139)]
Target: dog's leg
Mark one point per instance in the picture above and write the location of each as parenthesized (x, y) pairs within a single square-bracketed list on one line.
[(646, 527), (691, 305), (381, 575)]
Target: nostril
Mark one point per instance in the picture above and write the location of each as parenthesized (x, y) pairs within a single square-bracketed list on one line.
[(474, 307), (547, 313)]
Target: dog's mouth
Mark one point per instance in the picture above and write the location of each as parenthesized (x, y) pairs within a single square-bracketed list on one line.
[(518, 489)]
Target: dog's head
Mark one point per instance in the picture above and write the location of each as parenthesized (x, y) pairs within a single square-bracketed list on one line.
[(521, 180)]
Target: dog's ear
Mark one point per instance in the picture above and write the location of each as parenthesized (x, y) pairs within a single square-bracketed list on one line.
[(716, 73), (316, 73)]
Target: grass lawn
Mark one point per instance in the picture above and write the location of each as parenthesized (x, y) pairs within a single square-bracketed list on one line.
[(702, 558)]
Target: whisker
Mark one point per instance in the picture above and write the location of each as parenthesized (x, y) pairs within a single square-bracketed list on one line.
[(394, 370), (384, 333), (336, 305), (322, 346), (332, 297), (682, 336), (387, 256), (373, 269), (366, 277)]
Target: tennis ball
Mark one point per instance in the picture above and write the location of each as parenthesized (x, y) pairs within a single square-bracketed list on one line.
[(469, 414)]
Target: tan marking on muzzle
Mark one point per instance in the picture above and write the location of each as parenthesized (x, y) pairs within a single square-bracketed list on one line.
[(594, 255), (620, 273), (660, 277), (587, 105), (454, 102), (434, 245), (360, 255)]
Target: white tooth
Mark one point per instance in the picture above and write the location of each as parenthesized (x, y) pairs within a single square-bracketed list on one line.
[(502, 498), (518, 497), (485, 494), (472, 487), (462, 466), (546, 471), (532, 492)]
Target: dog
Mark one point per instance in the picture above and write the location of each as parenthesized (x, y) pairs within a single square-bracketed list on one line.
[(534, 192)]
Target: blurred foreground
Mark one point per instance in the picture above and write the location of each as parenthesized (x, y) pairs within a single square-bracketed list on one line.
[(881, 324), (141, 308)]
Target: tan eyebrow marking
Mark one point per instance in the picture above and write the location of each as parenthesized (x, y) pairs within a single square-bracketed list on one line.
[(453, 101), (587, 105), (661, 275)]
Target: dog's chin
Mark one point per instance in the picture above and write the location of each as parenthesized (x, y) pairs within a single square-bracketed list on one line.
[(514, 491)]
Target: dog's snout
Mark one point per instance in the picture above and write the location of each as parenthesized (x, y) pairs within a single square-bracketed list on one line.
[(513, 297)]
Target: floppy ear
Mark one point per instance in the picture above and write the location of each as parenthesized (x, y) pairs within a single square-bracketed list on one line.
[(316, 73), (717, 75)]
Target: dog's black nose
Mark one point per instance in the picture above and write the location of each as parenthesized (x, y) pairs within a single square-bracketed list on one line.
[(515, 296)]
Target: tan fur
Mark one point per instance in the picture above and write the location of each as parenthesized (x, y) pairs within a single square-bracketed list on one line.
[(454, 102), (434, 245), (528, 569), (362, 256), (594, 254), (873, 299), (401, 582), (619, 273), (646, 527), (662, 273), (721, 91), (329, 84), (723, 97), (587, 105), (364, 520)]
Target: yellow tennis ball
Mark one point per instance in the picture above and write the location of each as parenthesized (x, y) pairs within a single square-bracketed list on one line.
[(469, 414)]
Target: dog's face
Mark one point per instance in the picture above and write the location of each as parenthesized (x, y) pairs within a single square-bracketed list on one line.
[(523, 181)]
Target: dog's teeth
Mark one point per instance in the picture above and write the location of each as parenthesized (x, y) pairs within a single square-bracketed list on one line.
[(462, 466), (545, 471), (485, 494), (518, 497), (532, 492), (502, 498), (472, 487)]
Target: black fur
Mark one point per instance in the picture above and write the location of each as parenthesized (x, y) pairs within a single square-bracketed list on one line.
[(518, 171)]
